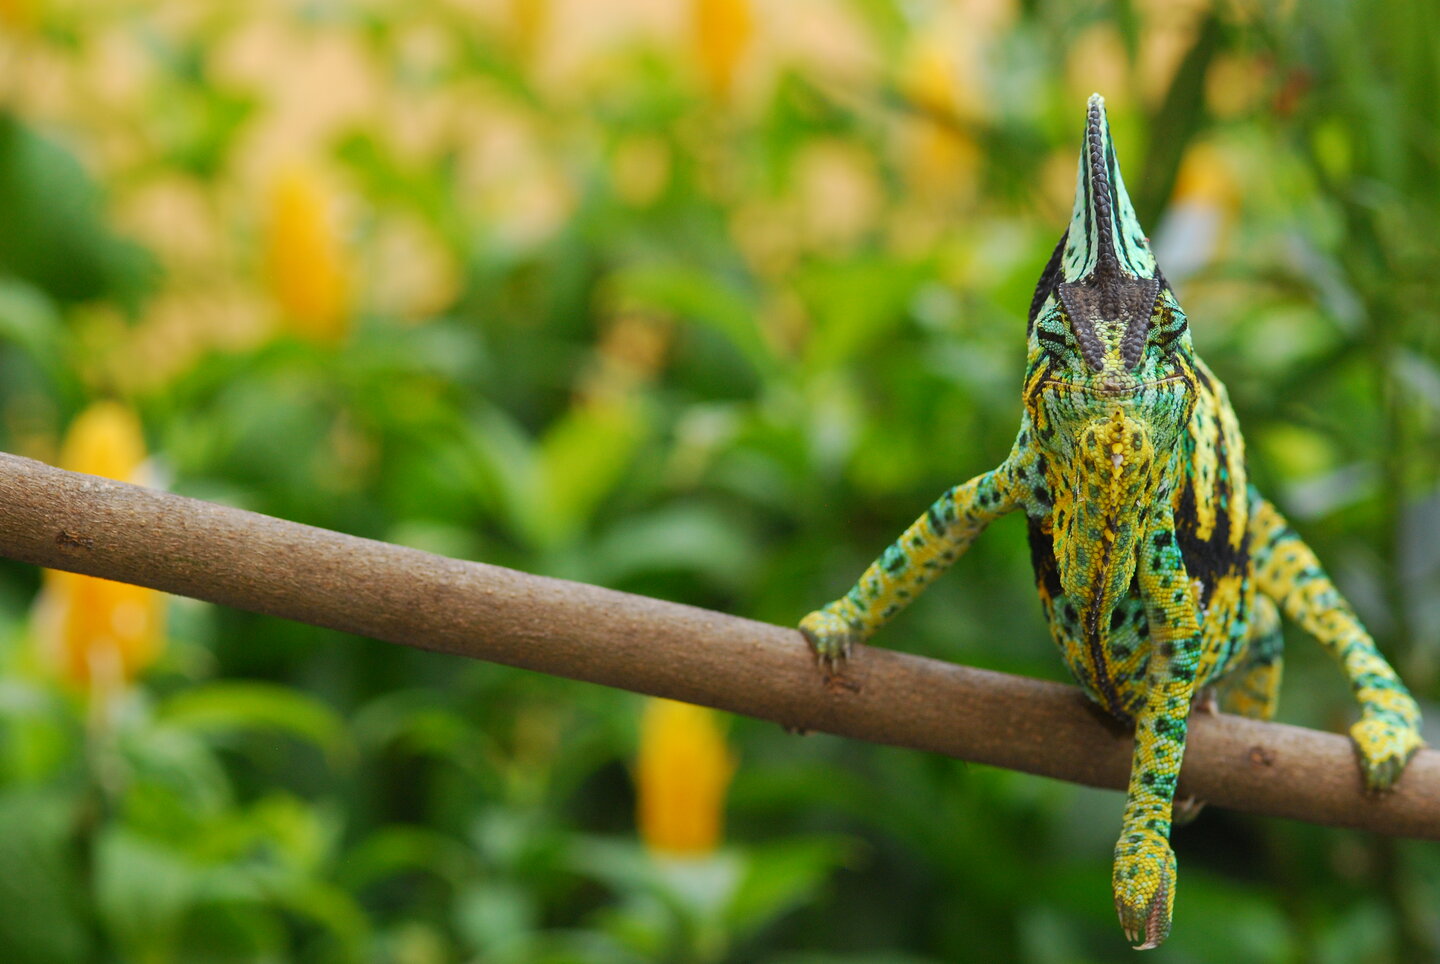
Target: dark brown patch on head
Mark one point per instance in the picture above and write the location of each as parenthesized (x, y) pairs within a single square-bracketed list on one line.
[(1109, 297)]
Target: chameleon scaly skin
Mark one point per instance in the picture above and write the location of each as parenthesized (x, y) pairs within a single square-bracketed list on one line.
[(1159, 569)]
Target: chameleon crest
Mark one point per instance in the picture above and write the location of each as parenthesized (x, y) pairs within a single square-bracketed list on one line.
[(1161, 572)]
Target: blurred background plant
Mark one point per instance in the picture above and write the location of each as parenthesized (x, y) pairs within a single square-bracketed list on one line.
[(675, 297)]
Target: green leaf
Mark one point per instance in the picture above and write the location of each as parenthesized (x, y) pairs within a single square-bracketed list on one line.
[(333, 910), (29, 319), (493, 914), (178, 781), (583, 457), (301, 837), (694, 295), (855, 305), (684, 537), (42, 921), (505, 466), (781, 876), (218, 708), (392, 851), (411, 721), (143, 891), (55, 233)]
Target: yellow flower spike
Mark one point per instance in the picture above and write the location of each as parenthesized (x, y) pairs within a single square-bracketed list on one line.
[(681, 775), (929, 78), (530, 20), (307, 266), (941, 157), (100, 633), (723, 30), (19, 15)]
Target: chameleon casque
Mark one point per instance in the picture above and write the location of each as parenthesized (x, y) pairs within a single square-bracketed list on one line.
[(1161, 571)]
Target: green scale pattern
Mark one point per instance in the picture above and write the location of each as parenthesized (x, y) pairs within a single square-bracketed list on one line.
[(1161, 571)]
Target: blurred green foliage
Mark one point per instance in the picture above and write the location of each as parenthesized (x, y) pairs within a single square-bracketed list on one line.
[(747, 338)]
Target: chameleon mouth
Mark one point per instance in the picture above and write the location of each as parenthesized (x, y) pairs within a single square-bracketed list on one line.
[(1113, 391)]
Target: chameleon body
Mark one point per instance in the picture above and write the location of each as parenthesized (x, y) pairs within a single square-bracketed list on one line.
[(1160, 570)]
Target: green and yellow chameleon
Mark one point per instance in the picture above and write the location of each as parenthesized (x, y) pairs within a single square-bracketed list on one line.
[(1161, 571)]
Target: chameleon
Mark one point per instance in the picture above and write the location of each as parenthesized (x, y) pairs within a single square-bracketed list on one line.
[(1161, 571)]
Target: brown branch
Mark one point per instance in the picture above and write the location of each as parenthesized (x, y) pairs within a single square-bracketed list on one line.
[(85, 524)]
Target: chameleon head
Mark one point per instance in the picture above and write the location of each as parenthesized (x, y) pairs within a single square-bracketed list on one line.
[(1106, 333), (1110, 378)]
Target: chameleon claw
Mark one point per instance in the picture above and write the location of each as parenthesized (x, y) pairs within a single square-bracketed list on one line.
[(1144, 888), (1148, 930)]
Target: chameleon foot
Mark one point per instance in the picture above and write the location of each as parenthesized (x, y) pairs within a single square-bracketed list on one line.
[(832, 639), (1383, 748), (1144, 882)]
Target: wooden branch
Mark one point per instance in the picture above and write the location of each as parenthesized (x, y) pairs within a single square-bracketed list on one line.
[(86, 524)]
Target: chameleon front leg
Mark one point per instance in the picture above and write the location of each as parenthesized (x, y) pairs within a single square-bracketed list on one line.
[(1144, 870), (1286, 570), (910, 564)]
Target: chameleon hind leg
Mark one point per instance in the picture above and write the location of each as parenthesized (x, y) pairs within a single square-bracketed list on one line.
[(1286, 570), (1251, 689), (906, 567)]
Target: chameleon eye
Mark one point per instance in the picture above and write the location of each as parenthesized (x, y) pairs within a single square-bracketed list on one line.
[(1053, 333), (1167, 324)]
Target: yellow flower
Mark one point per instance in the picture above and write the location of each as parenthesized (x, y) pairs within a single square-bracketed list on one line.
[(682, 773), (100, 633), (19, 15), (929, 77), (530, 20), (941, 156), (309, 272), (722, 32)]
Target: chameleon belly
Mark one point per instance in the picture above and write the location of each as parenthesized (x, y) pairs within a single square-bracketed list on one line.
[(1161, 571)]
